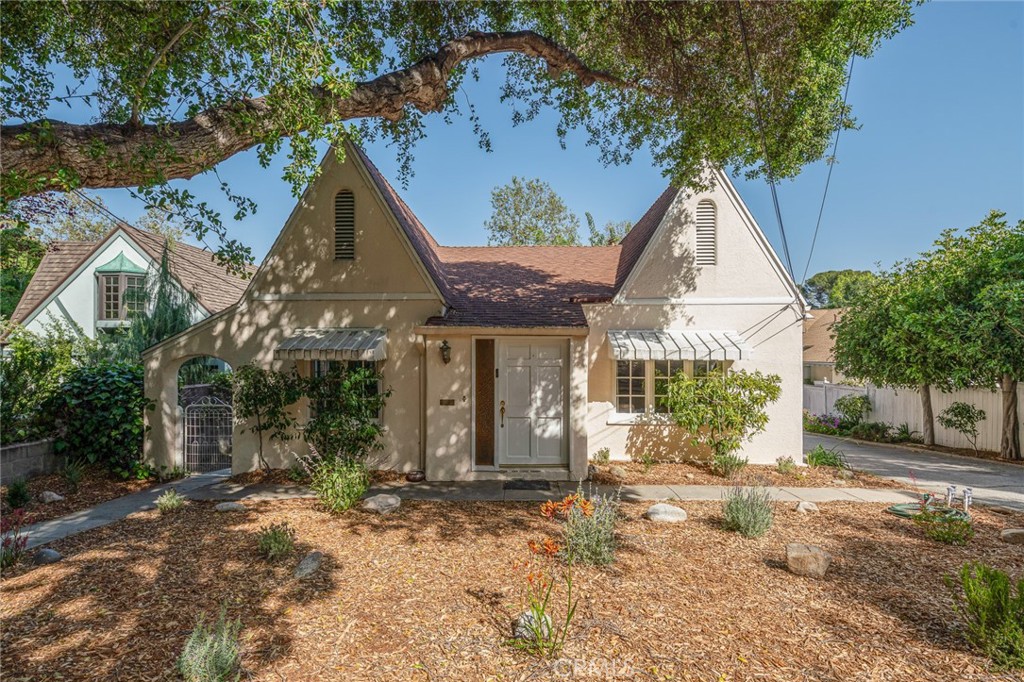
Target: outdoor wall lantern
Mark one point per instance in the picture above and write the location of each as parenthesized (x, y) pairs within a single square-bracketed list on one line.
[(446, 352)]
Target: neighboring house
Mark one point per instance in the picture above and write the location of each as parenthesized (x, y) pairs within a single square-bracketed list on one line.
[(503, 361), (819, 359), (94, 284)]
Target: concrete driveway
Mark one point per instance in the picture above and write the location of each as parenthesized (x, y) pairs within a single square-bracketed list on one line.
[(991, 482)]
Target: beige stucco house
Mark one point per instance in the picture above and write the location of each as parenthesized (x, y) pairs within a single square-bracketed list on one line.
[(819, 357), (503, 361)]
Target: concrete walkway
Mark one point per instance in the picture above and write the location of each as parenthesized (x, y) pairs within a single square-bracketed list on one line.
[(110, 511), (994, 483)]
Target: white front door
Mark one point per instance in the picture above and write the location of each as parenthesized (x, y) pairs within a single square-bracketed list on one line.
[(531, 402)]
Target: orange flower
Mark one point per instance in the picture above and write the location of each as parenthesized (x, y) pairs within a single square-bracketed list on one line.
[(534, 547), (586, 507), (551, 547), (549, 509)]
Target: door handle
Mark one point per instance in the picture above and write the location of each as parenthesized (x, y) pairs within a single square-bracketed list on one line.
[(502, 414)]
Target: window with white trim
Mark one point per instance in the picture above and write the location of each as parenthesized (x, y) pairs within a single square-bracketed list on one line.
[(642, 385), (706, 251), (322, 368)]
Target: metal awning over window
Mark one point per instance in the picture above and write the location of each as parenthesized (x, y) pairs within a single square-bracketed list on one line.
[(659, 344), (334, 344)]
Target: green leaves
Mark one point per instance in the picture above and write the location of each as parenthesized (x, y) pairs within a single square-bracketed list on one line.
[(528, 212)]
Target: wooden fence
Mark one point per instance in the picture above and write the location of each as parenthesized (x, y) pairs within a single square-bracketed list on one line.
[(898, 406)]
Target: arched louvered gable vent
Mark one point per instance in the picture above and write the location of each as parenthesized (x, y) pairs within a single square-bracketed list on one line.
[(344, 226), (706, 253)]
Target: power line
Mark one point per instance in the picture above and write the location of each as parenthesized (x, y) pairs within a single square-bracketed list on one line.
[(828, 178), (764, 141)]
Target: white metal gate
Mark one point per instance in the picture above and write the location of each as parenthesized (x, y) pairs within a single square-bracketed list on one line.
[(208, 426)]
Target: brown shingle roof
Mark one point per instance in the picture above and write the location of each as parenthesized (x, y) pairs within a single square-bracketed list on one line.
[(196, 270), (193, 267), (60, 259), (634, 243), (818, 340)]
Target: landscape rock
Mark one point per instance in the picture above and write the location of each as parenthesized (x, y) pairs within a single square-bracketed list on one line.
[(382, 504), (665, 513), (838, 481), (845, 474), (806, 507), (229, 507), (592, 470), (617, 472), (1014, 536), (49, 496), (46, 556), (807, 560), (525, 626), (690, 477), (309, 565)]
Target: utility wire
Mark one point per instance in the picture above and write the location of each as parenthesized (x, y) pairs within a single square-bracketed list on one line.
[(828, 178), (116, 218), (764, 141)]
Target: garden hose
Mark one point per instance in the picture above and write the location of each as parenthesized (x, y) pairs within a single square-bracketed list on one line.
[(912, 509)]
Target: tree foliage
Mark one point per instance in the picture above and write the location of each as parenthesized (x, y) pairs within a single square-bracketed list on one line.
[(266, 397), (20, 254), (609, 235), (173, 89), (528, 212), (346, 420), (721, 411), (836, 288)]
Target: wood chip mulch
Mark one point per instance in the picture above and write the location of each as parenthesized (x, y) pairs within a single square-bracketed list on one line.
[(286, 476), (687, 473), (97, 486), (429, 592)]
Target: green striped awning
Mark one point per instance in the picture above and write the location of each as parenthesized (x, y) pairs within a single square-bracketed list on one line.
[(334, 343)]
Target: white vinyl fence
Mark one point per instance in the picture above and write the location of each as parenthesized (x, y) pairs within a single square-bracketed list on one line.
[(898, 406)]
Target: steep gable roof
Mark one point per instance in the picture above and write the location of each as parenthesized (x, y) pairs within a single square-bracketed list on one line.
[(59, 261), (194, 268), (636, 240), (818, 341)]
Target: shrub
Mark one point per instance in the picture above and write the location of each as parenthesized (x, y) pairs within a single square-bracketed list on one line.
[(785, 465), (17, 494), (603, 456), (852, 408), (99, 414), (589, 529), (826, 457), (73, 473), (748, 511), (993, 610), (339, 482), (170, 501), (348, 403), (135, 471), (211, 654), (904, 434), (647, 461), (728, 464), (13, 543), (276, 540), (944, 529), (963, 418), (821, 423), (878, 432)]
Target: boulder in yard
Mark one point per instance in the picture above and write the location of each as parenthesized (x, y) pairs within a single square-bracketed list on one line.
[(807, 560), (592, 470), (806, 507), (1014, 536), (617, 472), (49, 496), (309, 565), (229, 507), (526, 626), (665, 513), (382, 504), (46, 556)]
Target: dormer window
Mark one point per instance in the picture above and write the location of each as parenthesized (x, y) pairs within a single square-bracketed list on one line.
[(706, 252), (344, 225), (121, 287)]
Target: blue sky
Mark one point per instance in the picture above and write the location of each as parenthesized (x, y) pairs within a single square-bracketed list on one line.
[(941, 109)]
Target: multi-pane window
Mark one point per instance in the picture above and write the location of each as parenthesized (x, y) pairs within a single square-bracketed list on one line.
[(664, 370), (322, 368), (630, 386), (642, 385), (120, 295)]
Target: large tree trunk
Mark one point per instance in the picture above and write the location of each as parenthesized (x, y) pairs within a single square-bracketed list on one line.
[(179, 150), (927, 418), (1009, 445)]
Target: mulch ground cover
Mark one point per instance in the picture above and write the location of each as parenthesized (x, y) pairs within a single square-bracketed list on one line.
[(429, 593), (686, 473), (97, 486)]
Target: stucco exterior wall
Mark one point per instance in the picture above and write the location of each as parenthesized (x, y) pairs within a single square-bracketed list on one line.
[(76, 301)]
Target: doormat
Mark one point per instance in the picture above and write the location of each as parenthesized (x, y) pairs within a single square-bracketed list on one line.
[(523, 484)]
